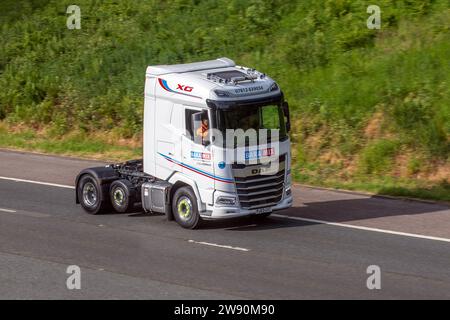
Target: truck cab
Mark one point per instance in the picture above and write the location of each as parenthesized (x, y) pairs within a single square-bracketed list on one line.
[(216, 144)]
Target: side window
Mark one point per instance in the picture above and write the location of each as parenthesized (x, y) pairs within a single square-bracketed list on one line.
[(197, 125)]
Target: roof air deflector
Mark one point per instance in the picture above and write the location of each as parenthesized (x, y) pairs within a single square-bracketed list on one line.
[(190, 67)]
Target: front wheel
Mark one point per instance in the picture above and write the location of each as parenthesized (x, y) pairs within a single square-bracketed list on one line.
[(184, 208)]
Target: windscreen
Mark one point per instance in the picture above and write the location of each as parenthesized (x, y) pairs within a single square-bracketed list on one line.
[(257, 117)]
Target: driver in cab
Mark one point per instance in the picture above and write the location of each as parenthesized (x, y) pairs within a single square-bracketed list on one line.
[(202, 131)]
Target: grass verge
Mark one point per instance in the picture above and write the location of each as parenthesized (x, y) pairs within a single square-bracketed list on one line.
[(384, 185), (73, 144)]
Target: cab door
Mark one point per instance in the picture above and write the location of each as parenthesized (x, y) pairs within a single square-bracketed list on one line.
[(196, 159)]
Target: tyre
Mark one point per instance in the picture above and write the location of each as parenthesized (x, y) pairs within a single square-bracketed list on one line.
[(90, 195), (184, 208), (123, 195)]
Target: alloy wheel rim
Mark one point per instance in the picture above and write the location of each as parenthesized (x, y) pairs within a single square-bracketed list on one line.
[(90, 194), (119, 196), (184, 208)]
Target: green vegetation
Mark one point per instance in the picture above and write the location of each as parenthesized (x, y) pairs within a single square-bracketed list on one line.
[(377, 157), (74, 144), (371, 108)]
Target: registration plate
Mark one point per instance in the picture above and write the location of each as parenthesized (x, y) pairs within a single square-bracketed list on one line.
[(263, 210)]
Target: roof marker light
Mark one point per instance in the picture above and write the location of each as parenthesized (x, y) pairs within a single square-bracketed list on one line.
[(274, 87), (221, 93)]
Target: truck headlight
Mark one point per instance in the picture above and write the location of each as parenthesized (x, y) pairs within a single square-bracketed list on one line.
[(226, 201), (288, 185), (288, 191)]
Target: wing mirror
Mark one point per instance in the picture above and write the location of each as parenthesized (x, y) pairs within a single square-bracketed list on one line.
[(285, 107)]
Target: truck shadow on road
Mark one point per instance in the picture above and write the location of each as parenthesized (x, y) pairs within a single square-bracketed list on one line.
[(341, 211)]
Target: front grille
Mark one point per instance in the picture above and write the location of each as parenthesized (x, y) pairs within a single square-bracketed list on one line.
[(259, 190)]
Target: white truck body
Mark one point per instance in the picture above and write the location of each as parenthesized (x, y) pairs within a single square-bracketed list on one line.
[(172, 94)]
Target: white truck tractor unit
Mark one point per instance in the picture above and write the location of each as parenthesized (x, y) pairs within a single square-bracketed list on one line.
[(200, 161)]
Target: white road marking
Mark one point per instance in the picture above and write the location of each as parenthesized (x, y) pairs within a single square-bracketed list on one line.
[(398, 233), (38, 182), (25, 213), (219, 245)]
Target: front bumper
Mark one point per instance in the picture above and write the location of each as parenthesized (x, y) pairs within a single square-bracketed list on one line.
[(233, 212)]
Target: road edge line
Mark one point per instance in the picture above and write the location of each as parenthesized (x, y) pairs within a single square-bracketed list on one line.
[(37, 182)]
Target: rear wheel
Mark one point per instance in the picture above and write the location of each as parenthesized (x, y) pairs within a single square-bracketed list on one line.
[(90, 195), (184, 208), (123, 195)]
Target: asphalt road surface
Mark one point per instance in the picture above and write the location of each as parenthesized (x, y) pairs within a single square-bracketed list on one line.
[(319, 249)]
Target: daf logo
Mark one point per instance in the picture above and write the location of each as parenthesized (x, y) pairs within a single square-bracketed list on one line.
[(261, 170)]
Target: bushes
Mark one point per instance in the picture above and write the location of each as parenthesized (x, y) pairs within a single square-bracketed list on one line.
[(334, 71), (377, 157)]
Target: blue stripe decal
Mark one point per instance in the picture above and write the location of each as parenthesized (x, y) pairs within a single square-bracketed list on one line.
[(195, 169), (166, 86)]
